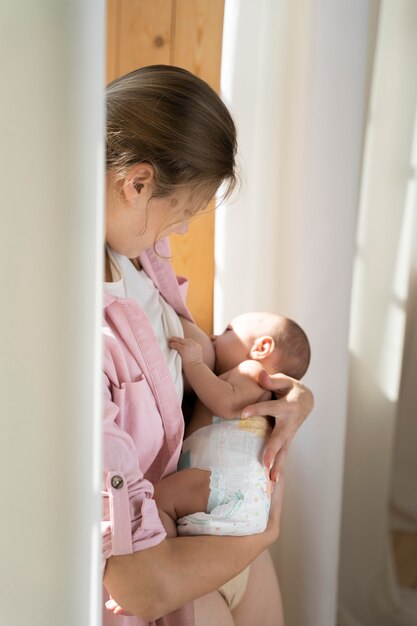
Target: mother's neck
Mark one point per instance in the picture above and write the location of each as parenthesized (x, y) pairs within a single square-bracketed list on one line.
[(107, 269), (108, 277)]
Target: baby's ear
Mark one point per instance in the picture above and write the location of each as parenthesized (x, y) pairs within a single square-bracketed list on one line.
[(262, 347)]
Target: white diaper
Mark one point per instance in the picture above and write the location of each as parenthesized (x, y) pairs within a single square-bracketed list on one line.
[(239, 485)]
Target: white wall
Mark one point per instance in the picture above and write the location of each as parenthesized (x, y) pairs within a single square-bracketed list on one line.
[(51, 170)]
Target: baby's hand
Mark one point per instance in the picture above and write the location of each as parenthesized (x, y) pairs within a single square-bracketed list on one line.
[(191, 351)]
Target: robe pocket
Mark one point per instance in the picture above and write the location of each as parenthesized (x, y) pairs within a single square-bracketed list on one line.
[(139, 416), (133, 398)]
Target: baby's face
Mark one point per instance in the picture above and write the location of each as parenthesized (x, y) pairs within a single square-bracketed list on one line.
[(235, 343)]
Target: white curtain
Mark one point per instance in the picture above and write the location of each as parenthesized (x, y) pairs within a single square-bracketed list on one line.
[(382, 408), (296, 76), (404, 496)]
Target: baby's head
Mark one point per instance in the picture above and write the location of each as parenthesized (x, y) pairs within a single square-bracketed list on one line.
[(277, 342)]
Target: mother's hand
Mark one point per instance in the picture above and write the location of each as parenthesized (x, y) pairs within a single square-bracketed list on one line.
[(293, 403), (275, 510)]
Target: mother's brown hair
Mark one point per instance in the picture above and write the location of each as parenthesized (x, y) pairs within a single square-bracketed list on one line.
[(170, 118)]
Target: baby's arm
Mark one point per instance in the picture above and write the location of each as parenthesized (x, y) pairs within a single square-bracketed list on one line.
[(192, 331), (226, 395)]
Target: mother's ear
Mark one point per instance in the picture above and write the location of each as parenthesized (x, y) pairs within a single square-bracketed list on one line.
[(139, 181), (262, 347), (137, 185)]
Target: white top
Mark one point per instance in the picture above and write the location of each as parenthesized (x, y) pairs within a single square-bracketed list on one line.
[(130, 282)]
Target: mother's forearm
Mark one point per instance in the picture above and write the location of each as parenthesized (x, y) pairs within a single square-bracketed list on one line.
[(153, 582)]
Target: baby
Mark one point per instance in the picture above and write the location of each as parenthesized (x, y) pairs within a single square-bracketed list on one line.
[(217, 439)]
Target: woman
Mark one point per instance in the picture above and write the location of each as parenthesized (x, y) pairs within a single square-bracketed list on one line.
[(170, 144)]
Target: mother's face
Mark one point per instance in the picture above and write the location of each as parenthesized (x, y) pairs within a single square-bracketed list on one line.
[(135, 220)]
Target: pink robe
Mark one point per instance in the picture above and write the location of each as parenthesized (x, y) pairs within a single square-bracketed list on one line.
[(143, 425)]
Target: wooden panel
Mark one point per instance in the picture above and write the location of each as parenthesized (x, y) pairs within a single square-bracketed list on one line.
[(196, 46), (186, 33), (197, 41), (193, 257), (112, 39), (145, 33)]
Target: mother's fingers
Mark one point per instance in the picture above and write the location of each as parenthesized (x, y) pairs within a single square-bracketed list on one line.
[(278, 465), (295, 401), (276, 382), (275, 442), (276, 508), (276, 408), (277, 448)]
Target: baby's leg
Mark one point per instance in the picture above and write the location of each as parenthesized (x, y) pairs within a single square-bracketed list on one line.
[(180, 494)]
